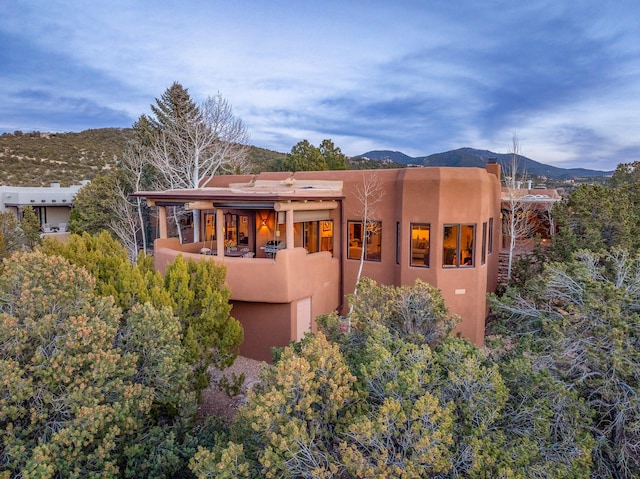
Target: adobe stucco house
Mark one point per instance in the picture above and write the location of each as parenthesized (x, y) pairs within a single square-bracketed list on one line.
[(292, 243), (51, 204)]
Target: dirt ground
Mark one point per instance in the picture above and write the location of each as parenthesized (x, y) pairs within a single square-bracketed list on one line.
[(217, 402)]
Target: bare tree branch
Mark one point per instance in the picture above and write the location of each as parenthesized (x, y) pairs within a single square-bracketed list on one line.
[(211, 142), (518, 224)]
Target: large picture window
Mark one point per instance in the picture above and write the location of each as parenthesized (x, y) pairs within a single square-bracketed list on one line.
[(420, 244), (458, 246), (314, 236), (370, 240)]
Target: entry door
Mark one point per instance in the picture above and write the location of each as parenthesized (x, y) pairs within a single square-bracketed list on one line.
[(303, 318)]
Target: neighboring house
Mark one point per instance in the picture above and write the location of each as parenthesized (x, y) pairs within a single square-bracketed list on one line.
[(52, 204), (291, 244), (537, 204)]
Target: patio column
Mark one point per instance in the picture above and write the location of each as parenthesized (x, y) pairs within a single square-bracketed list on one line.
[(162, 221), (289, 225), (220, 232)]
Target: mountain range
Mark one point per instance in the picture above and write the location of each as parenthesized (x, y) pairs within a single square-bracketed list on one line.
[(38, 159), (479, 158)]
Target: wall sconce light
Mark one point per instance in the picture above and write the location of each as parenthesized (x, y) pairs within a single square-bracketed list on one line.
[(264, 220)]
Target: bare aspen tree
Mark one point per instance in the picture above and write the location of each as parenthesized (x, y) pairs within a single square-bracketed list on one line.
[(210, 142), (134, 163), (125, 222), (547, 213), (517, 224), (369, 194)]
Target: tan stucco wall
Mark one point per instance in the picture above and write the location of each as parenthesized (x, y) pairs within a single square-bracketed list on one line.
[(265, 325), (270, 288), (265, 288), (436, 196)]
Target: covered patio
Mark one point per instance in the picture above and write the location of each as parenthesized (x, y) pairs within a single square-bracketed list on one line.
[(276, 240)]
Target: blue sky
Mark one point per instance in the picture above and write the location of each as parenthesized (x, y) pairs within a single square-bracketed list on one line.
[(419, 77)]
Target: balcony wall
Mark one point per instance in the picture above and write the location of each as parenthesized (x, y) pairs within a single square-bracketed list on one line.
[(291, 275)]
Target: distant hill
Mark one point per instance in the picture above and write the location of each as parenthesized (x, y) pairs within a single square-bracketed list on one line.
[(38, 159), (389, 156), (478, 158)]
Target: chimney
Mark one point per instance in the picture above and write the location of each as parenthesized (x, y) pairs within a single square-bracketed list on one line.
[(493, 167)]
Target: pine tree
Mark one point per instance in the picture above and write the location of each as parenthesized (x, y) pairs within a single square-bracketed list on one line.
[(30, 225), (174, 109), (201, 301), (194, 143)]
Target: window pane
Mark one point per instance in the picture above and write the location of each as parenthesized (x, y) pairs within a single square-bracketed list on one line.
[(484, 242), (490, 240), (450, 246), (298, 232), (354, 246), (326, 236), (243, 230), (230, 229), (374, 241), (419, 245), (210, 226), (311, 239), (467, 237)]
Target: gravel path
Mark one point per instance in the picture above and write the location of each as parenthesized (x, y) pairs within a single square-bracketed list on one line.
[(216, 402)]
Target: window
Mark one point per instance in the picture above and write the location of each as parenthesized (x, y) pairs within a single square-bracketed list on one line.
[(371, 240), (490, 240), (458, 246), (311, 237), (483, 253), (314, 236), (210, 226), (420, 244), (238, 228), (397, 242), (326, 236)]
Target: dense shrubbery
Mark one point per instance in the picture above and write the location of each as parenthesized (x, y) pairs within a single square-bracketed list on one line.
[(385, 400), (196, 292), (104, 384), (84, 386), (100, 376), (599, 217), (579, 323), (18, 235)]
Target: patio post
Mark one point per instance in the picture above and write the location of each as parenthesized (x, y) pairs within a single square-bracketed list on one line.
[(220, 232), (162, 221)]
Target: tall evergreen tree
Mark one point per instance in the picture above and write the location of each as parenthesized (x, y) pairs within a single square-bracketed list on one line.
[(333, 156), (193, 143), (174, 108), (30, 225), (306, 157)]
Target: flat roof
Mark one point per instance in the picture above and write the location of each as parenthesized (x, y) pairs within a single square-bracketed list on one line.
[(289, 189)]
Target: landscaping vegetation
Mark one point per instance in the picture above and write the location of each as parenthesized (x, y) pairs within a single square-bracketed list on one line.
[(103, 360), (40, 158)]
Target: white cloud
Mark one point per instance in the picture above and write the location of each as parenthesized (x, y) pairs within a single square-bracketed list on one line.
[(410, 76)]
